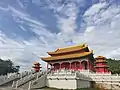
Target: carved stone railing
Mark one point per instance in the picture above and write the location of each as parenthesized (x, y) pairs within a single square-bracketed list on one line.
[(6, 79), (27, 79)]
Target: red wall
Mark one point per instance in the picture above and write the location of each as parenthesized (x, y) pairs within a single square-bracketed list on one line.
[(76, 65), (102, 70)]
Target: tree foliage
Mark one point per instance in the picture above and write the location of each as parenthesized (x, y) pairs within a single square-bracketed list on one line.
[(114, 66), (7, 66)]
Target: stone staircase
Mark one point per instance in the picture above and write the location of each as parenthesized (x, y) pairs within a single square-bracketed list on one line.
[(5, 80), (30, 81)]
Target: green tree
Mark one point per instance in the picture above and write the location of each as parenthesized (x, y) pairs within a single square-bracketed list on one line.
[(7, 66), (114, 66)]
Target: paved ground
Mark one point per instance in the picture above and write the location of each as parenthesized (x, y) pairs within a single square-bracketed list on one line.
[(9, 88)]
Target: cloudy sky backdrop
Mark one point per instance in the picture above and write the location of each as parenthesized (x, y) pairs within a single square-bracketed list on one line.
[(30, 28)]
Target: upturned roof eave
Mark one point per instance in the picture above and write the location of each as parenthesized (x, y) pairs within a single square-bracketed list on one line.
[(62, 52), (47, 59)]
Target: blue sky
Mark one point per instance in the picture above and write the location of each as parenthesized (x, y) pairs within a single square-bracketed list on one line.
[(30, 28)]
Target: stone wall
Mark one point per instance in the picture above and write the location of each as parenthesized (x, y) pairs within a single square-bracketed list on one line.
[(39, 83), (66, 80), (83, 84), (61, 84)]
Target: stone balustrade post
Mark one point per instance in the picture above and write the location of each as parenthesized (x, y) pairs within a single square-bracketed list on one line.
[(29, 87), (16, 85), (13, 84), (37, 76)]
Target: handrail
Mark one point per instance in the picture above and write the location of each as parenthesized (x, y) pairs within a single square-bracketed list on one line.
[(13, 77), (29, 78)]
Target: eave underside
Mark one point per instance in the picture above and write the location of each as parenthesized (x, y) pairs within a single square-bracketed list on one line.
[(64, 57)]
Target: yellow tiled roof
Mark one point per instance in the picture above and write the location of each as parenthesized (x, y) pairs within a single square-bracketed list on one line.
[(100, 61), (68, 56), (69, 49), (100, 57)]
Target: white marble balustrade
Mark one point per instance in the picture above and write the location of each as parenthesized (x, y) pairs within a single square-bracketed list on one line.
[(28, 78), (6, 78)]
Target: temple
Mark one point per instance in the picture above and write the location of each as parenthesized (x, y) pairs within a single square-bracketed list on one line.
[(101, 65), (36, 66), (69, 68), (74, 58), (71, 58)]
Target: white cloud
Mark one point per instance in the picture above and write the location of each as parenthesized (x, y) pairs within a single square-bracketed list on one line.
[(21, 5), (3, 9), (102, 29), (67, 19), (94, 9)]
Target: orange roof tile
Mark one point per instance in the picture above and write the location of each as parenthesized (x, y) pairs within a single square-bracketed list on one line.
[(68, 56), (69, 49)]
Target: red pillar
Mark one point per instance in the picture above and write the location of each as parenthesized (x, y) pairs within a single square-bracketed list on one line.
[(70, 65), (88, 64), (47, 67), (60, 66), (75, 66), (80, 66)]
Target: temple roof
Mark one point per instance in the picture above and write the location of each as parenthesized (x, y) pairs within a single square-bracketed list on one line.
[(102, 66), (36, 63), (69, 49), (99, 60), (67, 56), (100, 57)]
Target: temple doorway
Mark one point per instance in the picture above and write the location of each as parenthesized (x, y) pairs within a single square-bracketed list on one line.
[(84, 65), (75, 65), (65, 65), (56, 66)]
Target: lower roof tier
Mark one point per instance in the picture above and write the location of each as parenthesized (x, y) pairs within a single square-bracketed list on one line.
[(68, 56), (103, 66)]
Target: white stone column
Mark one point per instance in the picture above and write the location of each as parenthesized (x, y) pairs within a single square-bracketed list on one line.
[(29, 87), (51, 66)]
